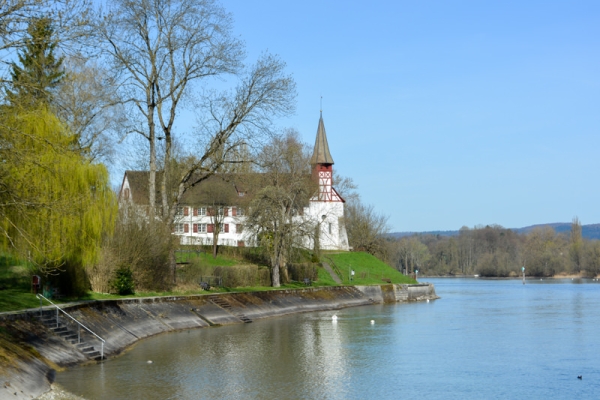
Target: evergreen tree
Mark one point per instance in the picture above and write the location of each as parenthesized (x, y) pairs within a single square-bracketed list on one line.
[(39, 71)]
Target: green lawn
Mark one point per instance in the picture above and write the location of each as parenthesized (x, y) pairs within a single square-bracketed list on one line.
[(368, 270), (15, 278)]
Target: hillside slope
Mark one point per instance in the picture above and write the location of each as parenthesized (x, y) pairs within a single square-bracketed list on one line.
[(590, 231)]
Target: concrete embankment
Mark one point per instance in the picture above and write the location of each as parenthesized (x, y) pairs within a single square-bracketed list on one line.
[(28, 370)]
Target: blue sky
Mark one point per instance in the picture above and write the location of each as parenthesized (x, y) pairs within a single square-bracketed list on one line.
[(447, 113)]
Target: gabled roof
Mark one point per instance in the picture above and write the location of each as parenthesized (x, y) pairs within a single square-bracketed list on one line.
[(321, 153), (218, 187)]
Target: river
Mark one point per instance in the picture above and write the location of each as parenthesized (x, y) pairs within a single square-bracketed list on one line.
[(484, 339)]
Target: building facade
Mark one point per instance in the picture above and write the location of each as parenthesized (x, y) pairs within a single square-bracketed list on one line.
[(196, 225)]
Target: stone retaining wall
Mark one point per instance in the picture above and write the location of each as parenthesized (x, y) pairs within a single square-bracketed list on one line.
[(123, 322)]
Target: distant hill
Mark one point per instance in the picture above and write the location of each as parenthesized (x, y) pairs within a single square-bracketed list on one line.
[(591, 231)]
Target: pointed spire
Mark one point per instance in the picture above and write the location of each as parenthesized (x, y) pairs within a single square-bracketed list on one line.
[(321, 153)]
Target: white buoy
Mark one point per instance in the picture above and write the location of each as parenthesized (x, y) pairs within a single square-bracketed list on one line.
[(428, 300), (334, 318), (372, 322), (149, 361)]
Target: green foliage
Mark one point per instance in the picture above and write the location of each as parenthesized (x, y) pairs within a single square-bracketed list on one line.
[(123, 281), (56, 207), (39, 71)]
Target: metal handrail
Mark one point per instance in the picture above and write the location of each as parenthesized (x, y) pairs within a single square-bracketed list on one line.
[(39, 296)]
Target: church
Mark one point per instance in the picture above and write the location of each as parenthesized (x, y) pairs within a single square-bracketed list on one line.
[(198, 216)]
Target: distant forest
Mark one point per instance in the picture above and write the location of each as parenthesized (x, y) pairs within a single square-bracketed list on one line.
[(494, 251)]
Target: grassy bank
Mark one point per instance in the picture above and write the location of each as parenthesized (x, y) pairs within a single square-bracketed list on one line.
[(15, 277), (368, 270)]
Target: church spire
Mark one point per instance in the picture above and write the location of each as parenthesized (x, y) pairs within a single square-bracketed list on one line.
[(321, 153)]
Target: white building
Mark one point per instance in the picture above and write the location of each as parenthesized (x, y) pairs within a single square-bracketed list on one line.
[(196, 224)]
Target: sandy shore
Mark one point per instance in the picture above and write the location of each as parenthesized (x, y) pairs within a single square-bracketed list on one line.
[(57, 392)]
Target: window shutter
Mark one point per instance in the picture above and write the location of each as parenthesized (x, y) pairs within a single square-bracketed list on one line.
[(195, 228), (186, 228), (233, 211), (195, 212), (186, 211), (173, 228), (226, 228), (225, 211), (209, 211), (210, 228)]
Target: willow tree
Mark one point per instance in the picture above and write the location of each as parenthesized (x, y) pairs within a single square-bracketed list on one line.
[(55, 206)]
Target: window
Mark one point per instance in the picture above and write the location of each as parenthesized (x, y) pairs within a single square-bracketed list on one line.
[(126, 194), (199, 228), (179, 228), (224, 228), (240, 211), (179, 212), (200, 211), (239, 228), (220, 211), (330, 228)]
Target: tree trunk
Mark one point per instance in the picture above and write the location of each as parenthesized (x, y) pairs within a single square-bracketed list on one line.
[(152, 175)]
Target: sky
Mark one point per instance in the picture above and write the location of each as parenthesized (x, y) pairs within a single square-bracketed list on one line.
[(446, 113)]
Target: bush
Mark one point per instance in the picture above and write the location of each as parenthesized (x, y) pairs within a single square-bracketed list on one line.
[(122, 282), (143, 246)]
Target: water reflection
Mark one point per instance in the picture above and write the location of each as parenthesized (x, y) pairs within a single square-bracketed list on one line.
[(483, 339)]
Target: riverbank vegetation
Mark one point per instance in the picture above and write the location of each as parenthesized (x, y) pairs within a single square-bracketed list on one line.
[(494, 251)]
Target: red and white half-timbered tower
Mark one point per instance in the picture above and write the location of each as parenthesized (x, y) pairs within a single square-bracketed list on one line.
[(327, 206)]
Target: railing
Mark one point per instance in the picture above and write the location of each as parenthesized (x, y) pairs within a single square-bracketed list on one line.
[(80, 325)]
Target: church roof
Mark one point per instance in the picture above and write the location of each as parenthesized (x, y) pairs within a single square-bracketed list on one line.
[(321, 153)]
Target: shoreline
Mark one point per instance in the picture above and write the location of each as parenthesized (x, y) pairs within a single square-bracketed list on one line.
[(122, 323), (527, 277)]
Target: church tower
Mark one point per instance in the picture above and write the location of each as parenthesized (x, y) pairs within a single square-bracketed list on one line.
[(322, 166), (326, 207)]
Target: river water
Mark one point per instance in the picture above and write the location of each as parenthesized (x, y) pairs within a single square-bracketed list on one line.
[(484, 339)]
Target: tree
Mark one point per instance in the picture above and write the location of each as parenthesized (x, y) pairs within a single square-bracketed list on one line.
[(69, 20), (282, 190), (576, 250), (39, 71), (366, 228), (87, 102), (544, 252), (55, 206), (410, 254)]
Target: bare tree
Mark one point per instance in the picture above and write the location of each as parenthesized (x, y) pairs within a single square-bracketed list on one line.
[(161, 47), (576, 252), (366, 228), (283, 189), (87, 102)]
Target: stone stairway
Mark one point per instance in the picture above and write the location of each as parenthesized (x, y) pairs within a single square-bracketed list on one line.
[(333, 274), (69, 334), (224, 304)]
